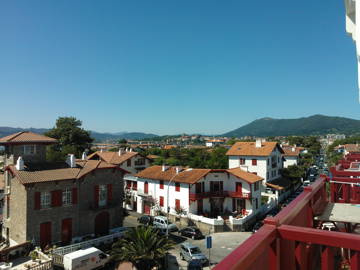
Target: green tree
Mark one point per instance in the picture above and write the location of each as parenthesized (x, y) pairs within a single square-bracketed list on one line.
[(71, 138), (142, 246)]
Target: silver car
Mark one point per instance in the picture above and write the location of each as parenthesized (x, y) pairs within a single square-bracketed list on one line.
[(190, 252)]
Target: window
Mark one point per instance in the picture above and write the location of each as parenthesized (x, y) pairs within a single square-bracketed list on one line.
[(177, 186), (7, 206), (140, 162), (134, 185), (268, 161), (216, 186), (161, 201), (254, 173), (161, 184), (254, 162), (102, 195), (267, 175), (256, 204), (66, 196), (45, 200), (242, 161), (256, 186), (128, 184), (29, 149), (128, 162)]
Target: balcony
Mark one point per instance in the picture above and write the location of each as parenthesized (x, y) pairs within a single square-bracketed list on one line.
[(219, 194)]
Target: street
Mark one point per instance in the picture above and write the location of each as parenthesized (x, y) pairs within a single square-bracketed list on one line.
[(222, 244)]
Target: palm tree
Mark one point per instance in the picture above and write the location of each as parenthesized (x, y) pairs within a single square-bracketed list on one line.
[(142, 246)]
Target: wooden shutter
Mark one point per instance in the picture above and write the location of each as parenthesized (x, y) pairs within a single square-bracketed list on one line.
[(96, 195), (109, 192), (56, 198), (74, 196), (37, 201)]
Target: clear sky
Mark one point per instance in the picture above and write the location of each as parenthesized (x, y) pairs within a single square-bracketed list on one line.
[(174, 66)]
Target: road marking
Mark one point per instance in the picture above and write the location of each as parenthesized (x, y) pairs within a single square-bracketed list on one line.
[(223, 247)]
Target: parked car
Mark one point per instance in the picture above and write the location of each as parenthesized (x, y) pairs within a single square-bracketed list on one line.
[(195, 265), (190, 252), (161, 222), (146, 220), (191, 232)]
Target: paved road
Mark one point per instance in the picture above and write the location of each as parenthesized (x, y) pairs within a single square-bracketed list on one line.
[(223, 244)]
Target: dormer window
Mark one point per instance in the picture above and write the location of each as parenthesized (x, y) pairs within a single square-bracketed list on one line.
[(29, 149)]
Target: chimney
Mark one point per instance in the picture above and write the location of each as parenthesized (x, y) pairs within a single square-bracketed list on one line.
[(71, 161), (101, 150), (83, 157), (258, 143), (177, 170), (163, 168), (130, 149), (120, 152), (293, 149), (19, 164)]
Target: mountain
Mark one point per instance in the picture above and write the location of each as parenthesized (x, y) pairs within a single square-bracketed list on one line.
[(312, 125), (99, 137)]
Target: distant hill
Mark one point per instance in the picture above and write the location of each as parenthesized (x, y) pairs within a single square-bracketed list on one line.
[(99, 137), (313, 125)]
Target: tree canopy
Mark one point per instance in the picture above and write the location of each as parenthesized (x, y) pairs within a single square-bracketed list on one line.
[(72, 138)]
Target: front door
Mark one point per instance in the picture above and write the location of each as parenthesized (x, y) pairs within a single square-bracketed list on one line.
[(66, 231), (45, 234), (147, 209), (102, 221)]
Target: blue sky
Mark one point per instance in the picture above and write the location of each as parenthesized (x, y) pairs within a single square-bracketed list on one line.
[(174, 66)]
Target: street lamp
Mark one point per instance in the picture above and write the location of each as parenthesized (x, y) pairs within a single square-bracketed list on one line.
[(167, 203)]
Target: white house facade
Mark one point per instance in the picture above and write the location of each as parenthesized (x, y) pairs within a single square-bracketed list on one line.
[(198, 191), (263, 158)]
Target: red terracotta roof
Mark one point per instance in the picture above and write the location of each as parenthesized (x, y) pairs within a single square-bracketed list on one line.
[(82, 169), (26, 137), (249, 149), (112, 157), (189, 176), (291, 151), (246, 176)]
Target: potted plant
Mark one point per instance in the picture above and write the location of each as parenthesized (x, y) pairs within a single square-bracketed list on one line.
[(34, 255)]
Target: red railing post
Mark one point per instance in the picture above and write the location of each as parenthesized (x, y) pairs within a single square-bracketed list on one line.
[(300, 256), (327, 259), (355, 260), (274, 255)]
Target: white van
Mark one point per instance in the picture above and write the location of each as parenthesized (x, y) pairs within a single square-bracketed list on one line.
[(85, 259), (161, 222)]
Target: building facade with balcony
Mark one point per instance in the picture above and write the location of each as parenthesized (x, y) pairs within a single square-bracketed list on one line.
[(48, 203), (198, 191), (260, 157)]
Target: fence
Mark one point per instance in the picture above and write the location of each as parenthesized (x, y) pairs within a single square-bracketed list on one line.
[(289, 241)]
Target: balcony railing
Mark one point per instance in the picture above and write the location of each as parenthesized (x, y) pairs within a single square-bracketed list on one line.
[(219, 194)]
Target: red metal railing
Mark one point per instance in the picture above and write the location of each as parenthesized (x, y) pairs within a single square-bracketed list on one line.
[(288, 241), (220, 194)]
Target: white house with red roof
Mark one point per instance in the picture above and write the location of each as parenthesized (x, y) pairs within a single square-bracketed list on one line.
[(260, 157), (207, 192)]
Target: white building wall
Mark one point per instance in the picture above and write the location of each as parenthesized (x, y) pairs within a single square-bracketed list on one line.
[(264, 165), (290, 160)]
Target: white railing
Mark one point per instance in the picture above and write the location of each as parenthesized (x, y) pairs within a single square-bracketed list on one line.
[(89, 243), (211, 221)]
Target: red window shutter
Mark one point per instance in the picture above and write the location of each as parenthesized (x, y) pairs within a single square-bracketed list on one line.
[(96, 195), (161, 184), (177, 186), (109, 192), (74, 196), (56, 198), (37, 200), (135, 185), (254, 162)]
